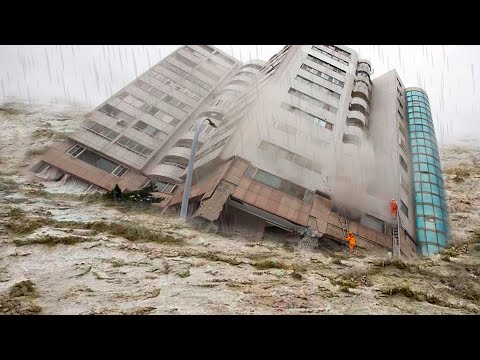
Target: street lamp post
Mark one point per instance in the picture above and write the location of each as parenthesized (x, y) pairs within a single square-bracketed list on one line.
[(188, 181)]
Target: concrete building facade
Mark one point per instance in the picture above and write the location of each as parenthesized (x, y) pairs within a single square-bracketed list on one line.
[(305, 140)]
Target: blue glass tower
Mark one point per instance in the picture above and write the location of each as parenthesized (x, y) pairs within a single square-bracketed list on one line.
[(431, 216)]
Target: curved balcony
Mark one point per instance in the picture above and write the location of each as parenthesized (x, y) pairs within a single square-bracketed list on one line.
[(221, 108), (355, 122), (231, 95), (351, 139), (364, 67), (248, 79), (358, 116), (214, 115), (248, 70), (364, 61), (360, 89), (167, 172), (236, 87), (189, 137), (364, 78), (362, 103), (257, 62), (179, 161), (354, 131), (180, 152)]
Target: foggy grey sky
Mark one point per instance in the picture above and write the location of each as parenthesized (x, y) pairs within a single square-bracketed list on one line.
[(88, 74)]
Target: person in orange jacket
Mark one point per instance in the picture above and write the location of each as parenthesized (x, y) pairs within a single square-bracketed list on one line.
[(351, 241), (393, 207)]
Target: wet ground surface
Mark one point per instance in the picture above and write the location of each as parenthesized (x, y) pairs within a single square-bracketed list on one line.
[(64, 254)]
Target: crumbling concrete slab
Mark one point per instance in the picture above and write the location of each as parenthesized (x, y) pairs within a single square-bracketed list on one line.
[(211, 208)]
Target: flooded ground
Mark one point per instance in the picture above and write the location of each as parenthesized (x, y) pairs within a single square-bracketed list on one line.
[(66, 254)]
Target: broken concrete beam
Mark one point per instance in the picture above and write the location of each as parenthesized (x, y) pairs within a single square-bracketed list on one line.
[(211, 208)]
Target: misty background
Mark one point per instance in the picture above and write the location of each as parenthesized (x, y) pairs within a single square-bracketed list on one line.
[(86, 75)]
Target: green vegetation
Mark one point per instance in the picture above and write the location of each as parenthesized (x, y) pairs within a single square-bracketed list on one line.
[(53, 240), (184, 274), (20, 224), (270, 264), (16, 213), (138, 196), (127, 230), (23, 288)]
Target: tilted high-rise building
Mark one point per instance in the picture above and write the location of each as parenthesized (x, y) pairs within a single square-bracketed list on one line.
[(306, 140)]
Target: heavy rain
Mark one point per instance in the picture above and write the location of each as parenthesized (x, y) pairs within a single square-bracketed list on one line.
[(67, 249)]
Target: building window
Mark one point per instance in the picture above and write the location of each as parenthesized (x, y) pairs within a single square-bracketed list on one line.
[(340, 51), (185, 60), (173, 84), (404, 184), (140, 104), (403, 146), (207, 48), (119, 171), (279, 184), (164, 187), (250, 172), (375, 223), (322, 75), (316, 120), (100, 130), (403, 163), (268, 179), (325, 64), (177, 103), (134, 146), (194, 53), (113, 112), (123, 95), (96, 160), (316, 86), (282, 153), (400, 104), (199, 82), (404, 208), (75, 150), (152, 90), (174, 69), (312, 100), (330, 55), (149, 130)]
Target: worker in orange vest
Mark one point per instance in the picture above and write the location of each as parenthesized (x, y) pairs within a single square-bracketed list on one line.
[(351, 241), (393, 207)]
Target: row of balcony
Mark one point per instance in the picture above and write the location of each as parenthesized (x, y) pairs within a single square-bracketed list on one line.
[(175, 161)]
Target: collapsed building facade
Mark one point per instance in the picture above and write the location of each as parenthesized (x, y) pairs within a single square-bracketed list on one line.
[(306, 140)]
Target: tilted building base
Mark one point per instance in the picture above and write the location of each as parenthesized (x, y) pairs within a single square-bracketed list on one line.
[(228, 188)]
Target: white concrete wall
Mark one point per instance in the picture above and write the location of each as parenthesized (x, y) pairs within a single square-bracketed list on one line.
[(383, 136)]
